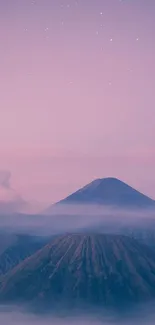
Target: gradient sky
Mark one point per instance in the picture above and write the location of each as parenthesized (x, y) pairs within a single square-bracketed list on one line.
[(77, 97)]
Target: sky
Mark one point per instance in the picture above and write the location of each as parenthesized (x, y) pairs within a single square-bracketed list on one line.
[(77, 94)]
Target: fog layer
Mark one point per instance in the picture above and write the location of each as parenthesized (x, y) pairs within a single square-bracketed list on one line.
[(18, 316), (72, 217)]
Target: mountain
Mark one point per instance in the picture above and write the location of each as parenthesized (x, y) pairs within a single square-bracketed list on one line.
[(6, 239), (143, 231), (81, 269), (16, 248), (108, 192)]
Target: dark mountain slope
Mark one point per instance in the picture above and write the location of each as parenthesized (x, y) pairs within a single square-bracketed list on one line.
[(20, 247), (82, 268)]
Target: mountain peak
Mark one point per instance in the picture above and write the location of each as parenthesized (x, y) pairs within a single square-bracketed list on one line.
[(105, 181), (109, 191), (112, 192)]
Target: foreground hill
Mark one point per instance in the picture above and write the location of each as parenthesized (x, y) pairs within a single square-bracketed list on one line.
[(16, 248), (82, 268), (108, 192)]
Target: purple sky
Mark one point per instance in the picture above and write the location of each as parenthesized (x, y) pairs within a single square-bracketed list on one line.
[(77, 97)]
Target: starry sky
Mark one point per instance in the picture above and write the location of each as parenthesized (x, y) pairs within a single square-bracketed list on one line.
[(77, 98)]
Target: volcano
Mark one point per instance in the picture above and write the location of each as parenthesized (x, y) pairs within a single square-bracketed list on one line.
[(94, 269), (109, 192)]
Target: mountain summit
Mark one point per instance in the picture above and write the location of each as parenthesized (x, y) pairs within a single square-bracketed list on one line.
[(109, 192)]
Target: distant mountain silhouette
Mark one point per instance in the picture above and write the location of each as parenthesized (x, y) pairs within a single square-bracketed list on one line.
[(83, 268), (108, 192)]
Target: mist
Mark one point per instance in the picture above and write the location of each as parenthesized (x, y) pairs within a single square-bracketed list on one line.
[(15, 315), (73, 217)]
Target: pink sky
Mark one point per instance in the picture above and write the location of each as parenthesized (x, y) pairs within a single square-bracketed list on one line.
[(77, 94)]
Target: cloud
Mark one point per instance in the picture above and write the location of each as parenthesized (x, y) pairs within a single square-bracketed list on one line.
[(5, 176), (7, 193), (142, 315), (75, 217)]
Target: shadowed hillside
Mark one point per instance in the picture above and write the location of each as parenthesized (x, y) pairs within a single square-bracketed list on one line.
[(17, 249)]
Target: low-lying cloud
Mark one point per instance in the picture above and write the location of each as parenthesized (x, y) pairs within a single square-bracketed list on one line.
[(144, 315), (74, 217)]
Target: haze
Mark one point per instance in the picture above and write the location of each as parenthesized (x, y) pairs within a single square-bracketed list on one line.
[(77, 97), (76, 217), (10, 315)]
